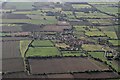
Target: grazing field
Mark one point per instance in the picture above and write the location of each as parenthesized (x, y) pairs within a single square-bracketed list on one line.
[(73, 53), (115, 42), (108, 9), (100, 55), (42, 43), (101, 21), (62, 65), (24, 44), (94, 33), (31, 21), (91, 47), (42, 51), (91, 15), (61, 45), (28, 12), (81, 6), (111, 34)]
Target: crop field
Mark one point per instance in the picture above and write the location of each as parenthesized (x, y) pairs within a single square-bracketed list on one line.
[(76, 40), (108, 9), (11, 51), (42, 51), (14, 16), (91, 15), (19, 5), (62, 65), (81, 6), (95, 75), (61, 45), (101, 55), (42, 43), (101, 21), (12, 65), (111, 34), (69, 14), (24, 44), (90, 47), (94, 33), (28, 12), (73, 53), (115, 42)]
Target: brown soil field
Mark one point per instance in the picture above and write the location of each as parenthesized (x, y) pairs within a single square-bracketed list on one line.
[(63, 65), (14, 38), (22, 75), (99, 75), (55, 28), (10, 49), (60, 76), (11, 28), (14, 16), (12, 65)]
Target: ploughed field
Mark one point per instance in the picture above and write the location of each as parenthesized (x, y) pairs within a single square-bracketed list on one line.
[(10, 49), (97, 75), (11, 57), (64, 65)]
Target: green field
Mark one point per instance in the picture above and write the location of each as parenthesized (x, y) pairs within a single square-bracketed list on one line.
[(20, 5), (42, 51), (24, 46), (80, 6), (111, 34), (108, 9), (73, 53), (101, 56), (69, 14), (28, 12), (94, 33), (44, 43), (115, 42), (91, 15), (91, 47), (33, 21)]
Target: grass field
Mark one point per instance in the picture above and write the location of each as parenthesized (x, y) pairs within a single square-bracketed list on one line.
[(90, 47), (28, 12), (42, 51), (61, 45), (115, 42), (73, 53), (11, 25), (101, 56), (94, 33), (45, 43), (23, 46), (98, 55), (33, 21), (111, 34), (107, 9), (91, 15), (20, 5), (80, 6)]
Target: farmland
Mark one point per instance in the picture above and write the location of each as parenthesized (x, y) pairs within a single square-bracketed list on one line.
[(76, 40), (62, 65)]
